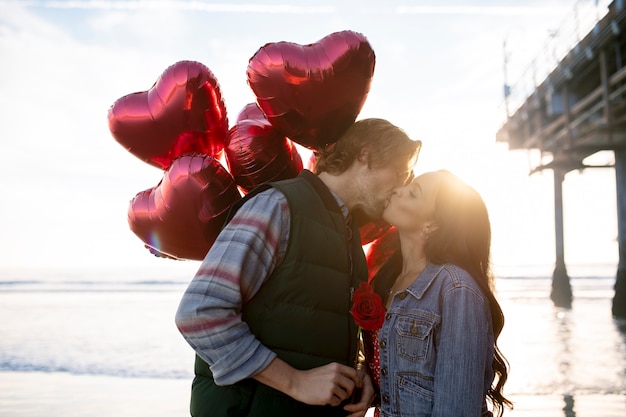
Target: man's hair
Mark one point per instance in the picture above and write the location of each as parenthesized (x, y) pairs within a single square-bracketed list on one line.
[(384, 142)]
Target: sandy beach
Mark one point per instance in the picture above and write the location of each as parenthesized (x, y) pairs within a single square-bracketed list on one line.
[(58, 394), (36, 394)]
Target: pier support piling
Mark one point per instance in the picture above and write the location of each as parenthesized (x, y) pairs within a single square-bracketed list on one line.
[(561, 293), (578, 109), (619, 299)]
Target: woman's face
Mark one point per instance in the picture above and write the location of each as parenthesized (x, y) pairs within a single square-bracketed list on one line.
[(413, 205)]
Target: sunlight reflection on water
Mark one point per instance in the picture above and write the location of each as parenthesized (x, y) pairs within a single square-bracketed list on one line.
[(562, 351)]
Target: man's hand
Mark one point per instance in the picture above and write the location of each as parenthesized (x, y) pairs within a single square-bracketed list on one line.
[(326, 385), (359, 409)]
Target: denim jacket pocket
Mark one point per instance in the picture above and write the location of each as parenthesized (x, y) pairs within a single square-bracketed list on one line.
[(415, 394), (414, 333)]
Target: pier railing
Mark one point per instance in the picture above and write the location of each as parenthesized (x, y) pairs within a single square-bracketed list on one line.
[(584, 15), (579, 107)]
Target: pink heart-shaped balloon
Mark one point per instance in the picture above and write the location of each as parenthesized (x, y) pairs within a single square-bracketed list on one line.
[(256, 153), (183, 214), (313, 93), (182, 113)]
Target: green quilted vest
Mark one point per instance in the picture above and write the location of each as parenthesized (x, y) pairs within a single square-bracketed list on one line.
[(302, 312)]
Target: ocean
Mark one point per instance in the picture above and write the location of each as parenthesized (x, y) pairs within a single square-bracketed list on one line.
[(98, 342)]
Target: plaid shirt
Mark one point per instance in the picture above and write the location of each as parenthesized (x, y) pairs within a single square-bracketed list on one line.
[(244, 254)]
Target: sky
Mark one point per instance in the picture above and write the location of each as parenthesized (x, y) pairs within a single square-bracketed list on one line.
[(66, 184)]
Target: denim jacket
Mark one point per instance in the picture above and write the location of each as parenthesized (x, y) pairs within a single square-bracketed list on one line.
[(436, 347)]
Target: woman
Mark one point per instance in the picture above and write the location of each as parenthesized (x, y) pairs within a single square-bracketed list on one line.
[(436, 352)]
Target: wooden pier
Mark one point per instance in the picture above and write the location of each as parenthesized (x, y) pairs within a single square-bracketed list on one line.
[(578, 110)]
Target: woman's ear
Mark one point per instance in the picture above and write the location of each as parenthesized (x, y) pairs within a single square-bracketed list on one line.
[(430, 226), (427, 228)]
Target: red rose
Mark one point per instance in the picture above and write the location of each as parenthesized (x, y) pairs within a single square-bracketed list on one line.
[(368, 310)]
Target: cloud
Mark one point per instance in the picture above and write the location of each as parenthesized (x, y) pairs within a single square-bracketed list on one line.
[(186, 5), (484, 10), (438, 76)]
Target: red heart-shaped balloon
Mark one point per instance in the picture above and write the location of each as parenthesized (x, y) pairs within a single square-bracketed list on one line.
[(373, 230), (380, 250), (256, 153), (313, 93), (182, 113), (183, 214), (369, 229), (251, 111)]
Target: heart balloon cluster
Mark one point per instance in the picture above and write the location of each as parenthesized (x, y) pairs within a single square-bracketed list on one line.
[(305, 94)]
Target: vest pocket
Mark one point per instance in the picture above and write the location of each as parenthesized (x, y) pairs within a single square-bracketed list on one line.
[(413, 337)]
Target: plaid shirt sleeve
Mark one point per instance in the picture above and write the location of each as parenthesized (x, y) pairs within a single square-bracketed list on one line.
[(244, 254)]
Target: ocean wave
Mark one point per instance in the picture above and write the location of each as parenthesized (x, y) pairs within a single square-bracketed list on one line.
[(94, 369), (90, 286), (105, 332), (90, 282)]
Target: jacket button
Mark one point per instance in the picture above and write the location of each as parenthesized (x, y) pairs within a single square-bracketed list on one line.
[(383, 371), (402, 295), (382, 344), (385, 399)]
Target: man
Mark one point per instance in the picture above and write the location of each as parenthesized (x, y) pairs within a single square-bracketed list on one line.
[(268, 310)]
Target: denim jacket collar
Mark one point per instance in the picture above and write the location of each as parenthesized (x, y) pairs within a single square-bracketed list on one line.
[(421, 284)]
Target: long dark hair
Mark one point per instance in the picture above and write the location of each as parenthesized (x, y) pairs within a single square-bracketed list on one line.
[(463, 238)]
